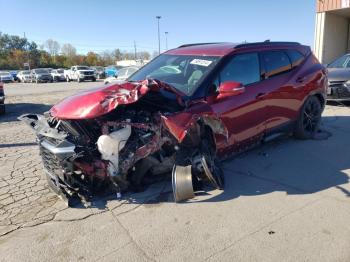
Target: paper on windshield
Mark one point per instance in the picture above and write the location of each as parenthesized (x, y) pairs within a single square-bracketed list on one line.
[(201, 62)]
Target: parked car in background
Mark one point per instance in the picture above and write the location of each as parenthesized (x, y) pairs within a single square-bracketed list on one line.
[(58, 75), (2, 99), (223, 99), (49, 69), (40, 75), (79, 74), (24, 76), (14, 75), (6, 77), (339, 79), (99, 71), (123, 74), (112, 70)]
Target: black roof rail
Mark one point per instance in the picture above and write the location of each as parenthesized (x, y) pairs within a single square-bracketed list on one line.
[(265, 43), (187, 45)]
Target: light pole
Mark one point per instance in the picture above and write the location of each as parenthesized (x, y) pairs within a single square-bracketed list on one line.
[(158, 18), (166, 40)]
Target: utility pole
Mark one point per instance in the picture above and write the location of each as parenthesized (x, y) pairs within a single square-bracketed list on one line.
[(27, 49), (166, 40), (135, 56), (158, 18)]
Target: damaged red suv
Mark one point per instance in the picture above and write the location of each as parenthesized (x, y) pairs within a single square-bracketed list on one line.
[(180, 114)]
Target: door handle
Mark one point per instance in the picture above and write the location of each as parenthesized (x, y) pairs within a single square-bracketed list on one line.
[(301, 79), (260, 95)]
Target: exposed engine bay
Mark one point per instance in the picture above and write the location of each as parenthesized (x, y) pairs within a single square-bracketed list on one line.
[(126, 146)]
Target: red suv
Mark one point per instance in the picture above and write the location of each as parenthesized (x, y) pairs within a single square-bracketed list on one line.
[(183, 112)]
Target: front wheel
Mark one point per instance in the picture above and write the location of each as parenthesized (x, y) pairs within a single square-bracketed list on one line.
[(211, 165), (309, 119)]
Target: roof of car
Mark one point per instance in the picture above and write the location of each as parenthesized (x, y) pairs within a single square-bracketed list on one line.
[(222, 49), (209, 49)]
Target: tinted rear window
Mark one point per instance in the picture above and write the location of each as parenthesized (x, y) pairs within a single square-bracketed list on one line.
[(275, 63), (295, 57)]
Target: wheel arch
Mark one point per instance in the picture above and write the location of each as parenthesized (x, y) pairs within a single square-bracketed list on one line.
[(321, 98)]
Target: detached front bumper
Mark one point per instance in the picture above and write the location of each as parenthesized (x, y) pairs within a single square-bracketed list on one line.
[(56, 153)]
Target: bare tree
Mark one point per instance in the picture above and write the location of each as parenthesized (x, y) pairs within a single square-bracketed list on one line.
[(69, 50), (117, 55), (53, 47)]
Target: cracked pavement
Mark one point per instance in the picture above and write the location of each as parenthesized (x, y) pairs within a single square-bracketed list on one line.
[(285, 201)]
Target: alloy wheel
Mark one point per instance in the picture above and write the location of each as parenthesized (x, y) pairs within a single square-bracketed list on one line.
[(311, 116)]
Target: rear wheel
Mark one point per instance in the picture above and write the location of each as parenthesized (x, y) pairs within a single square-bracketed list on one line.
[(309, 119)]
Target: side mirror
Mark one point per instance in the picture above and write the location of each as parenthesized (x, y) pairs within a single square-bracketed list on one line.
[(231, 88)]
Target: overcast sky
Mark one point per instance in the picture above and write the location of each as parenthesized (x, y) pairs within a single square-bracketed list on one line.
[(92, 25)]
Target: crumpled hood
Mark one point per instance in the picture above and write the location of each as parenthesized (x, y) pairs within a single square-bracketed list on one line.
[(96, 102)]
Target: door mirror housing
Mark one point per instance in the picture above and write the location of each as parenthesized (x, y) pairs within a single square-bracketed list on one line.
[(231, 88)]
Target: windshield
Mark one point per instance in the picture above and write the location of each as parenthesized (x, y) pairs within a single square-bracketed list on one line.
[(82, 68), (340, 62), (41, 71), (4, 73), (183, 72), (132, 70)]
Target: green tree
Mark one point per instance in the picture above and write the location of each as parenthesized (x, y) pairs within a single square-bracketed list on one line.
[(91, 58)]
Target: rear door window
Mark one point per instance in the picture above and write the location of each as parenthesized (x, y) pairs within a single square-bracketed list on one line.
[(275, 63), (295, 57)]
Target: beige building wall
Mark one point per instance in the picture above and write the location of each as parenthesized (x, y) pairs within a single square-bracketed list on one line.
[(336, 38), (331, 36)]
